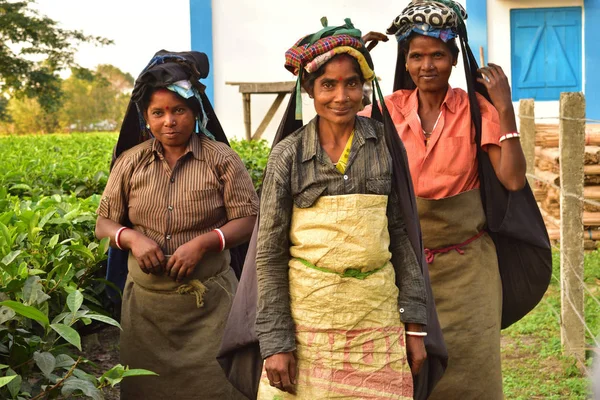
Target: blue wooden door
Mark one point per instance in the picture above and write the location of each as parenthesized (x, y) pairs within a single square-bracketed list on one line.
[(545, 52)]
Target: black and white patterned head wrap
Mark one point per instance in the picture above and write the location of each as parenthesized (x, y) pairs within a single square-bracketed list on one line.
[(440, 19)]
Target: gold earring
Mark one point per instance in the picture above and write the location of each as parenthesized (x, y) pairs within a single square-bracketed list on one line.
[(148, 126), (348, 98)]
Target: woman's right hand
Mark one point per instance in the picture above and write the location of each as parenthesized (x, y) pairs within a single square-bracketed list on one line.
[(374, 38), (146, 251), (281, 371)]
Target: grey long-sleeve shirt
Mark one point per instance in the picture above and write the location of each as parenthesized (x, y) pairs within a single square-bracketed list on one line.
[(298, 173)]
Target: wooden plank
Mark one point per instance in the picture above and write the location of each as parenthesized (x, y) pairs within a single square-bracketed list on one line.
[(572, 150), (264, 87), (247, 116), (527, 128), (269, 116)]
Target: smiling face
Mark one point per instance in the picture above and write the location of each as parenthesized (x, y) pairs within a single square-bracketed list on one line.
[(338, 91), (429, 62), (170, 118)]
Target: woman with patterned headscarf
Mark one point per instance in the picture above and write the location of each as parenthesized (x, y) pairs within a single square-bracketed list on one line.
[(177, 199), (335, 263), (458, 143), (342, 299)]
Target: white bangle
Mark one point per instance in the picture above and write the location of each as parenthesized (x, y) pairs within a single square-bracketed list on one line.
[(221, 238), (411, 333), (118, 236), (509, 136)]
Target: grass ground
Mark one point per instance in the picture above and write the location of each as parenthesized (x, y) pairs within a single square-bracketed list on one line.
[(532, 360)]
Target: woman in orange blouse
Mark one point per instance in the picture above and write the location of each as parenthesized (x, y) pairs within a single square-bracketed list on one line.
[(434, 122)]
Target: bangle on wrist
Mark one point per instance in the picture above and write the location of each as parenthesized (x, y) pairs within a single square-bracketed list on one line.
[(118, 236), (412, 333), (221, 239), (509, 135)]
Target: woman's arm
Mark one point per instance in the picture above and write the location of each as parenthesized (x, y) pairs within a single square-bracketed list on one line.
[(112, 214), (275, 327), (184, 260), (412, 300), (146, 251), (507, 159)]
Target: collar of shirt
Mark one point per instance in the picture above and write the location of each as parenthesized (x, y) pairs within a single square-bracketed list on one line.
[(311, 146), (194, 146), (412, 104)]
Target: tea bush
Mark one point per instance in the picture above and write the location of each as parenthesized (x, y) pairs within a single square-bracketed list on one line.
[(49, 289), (50, 285)]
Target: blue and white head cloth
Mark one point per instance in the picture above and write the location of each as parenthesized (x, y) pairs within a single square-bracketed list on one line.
[(440, 19), (185, 89)]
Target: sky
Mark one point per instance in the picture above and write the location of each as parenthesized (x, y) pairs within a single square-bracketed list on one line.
[(139, 28)]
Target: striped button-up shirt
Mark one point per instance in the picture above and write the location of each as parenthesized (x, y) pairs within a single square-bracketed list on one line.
[(207, 187), (298, 173)]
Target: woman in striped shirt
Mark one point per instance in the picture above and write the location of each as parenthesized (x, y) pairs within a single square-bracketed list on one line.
[(176, 202)]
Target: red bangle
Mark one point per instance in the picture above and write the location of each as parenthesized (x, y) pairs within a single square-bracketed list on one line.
[(118, 236), (221, 238)]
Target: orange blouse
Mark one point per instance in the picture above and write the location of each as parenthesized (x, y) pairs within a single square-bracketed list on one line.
[(447, 165)]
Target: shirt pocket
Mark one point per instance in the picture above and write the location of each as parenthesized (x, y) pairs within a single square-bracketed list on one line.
[(457, 156), (381, 186), (308, 196), (202, 205)]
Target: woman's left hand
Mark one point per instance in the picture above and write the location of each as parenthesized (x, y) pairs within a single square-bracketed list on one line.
[(496, 82), (371, 39), (184, 260), (416, 353)]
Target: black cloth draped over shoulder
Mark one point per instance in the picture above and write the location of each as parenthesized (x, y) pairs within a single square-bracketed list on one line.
[(165, 68), (239, 355), (514, 220)]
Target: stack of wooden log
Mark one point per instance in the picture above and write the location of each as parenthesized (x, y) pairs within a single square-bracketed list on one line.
[(547, 167)]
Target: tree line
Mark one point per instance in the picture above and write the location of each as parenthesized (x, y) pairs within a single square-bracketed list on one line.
[(34, 98)]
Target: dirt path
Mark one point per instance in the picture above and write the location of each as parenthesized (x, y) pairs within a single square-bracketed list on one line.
[(102, 349)]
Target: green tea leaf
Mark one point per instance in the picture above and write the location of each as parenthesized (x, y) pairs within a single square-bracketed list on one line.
[(53, 241), (74, 301), (21, 186), (113, 375), (46, 218), (14, 385), (60, 317), (81, 249), (138, 372), (27, 311), (64, 361), (6, 314), (5, 234), (10, 257), (6, 379), (105, 319), (68, 333), (23, 271), (72, 385), (36, 272), (117, 373), (45, 362), (33, 291)]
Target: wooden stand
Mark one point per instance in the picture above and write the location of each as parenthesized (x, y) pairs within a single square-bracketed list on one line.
[(249, 88)]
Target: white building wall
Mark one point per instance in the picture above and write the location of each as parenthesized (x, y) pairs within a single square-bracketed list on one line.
[(499, 41), (250, 39)]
